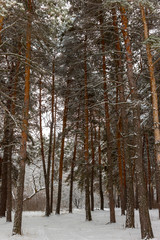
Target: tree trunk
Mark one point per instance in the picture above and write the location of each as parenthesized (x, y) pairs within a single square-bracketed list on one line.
[(86, 153), (62, 151), (48, 208), (47, 212), (100, 168), (136, 193), (146, 229), (1, 27), (13, 95), (41, 142), (9, 159), (5, 161), (72, 166), (53, 157), (127, 165), (120, 164), (92, 170), (72, 174), (9, 175), (154, 101), (108, 130), (23, 150), (149, 173), (9, 182)]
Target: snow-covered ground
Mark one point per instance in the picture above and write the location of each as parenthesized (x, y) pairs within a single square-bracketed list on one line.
[(74, 227)]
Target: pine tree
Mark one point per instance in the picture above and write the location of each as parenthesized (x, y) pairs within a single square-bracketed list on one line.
[(19, 200)]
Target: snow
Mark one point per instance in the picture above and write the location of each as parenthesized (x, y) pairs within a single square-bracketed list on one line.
[(74, 227)]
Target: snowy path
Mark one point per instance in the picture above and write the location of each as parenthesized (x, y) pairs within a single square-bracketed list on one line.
[(74, 227)]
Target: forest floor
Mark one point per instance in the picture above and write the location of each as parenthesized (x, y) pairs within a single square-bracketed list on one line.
[(74, 227)]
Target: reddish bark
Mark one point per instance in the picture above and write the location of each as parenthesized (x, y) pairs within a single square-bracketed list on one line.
[(154, 101), (1, 27), (146, 229), (23, 149)]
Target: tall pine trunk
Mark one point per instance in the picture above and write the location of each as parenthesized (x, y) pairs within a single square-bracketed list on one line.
[(53, 156), (128, 165), (73, 165), (42, 143), (23, 150), (9, 160), (154, 101), (7, 143), (92, 167), (72, 174), (149, 173), (9, 183), (100, 168), (12, 124), (62, 151), (5, 161), (86, 146), (120, 167), (108, 128), (146, 229), (48, 208)]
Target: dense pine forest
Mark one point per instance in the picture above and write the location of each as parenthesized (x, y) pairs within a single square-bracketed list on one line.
[(79, 106)]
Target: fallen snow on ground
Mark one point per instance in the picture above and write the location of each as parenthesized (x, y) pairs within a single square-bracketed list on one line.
[(74, 227)]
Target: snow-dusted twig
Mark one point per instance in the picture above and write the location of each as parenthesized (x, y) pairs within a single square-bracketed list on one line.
[(33, 194)]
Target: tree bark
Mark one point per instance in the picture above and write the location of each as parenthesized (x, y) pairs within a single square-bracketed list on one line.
[(120, 164), (5, 162), (72, 174), (73, 165), (146, 229), (12, 124), (9, 183), (48, 208), (86, 147), (128, 165), (92, 169), (154, 101), (100, 168), (1, 27), (108, 130), (149, 173), (62, 151), (41, 141), (23, 150), (4, 191), (9, 149), (53, 157)]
